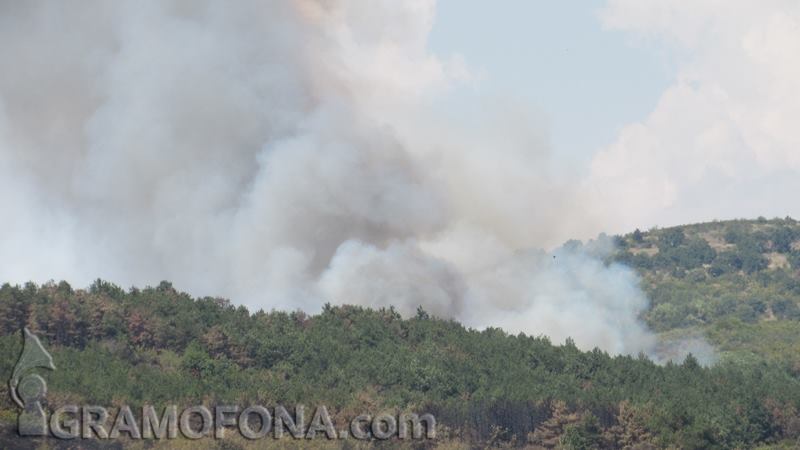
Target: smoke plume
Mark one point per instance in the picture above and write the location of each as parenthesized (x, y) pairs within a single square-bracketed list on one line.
[(284, 155)]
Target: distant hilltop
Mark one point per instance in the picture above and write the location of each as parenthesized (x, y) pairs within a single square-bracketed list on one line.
[(737, 282)]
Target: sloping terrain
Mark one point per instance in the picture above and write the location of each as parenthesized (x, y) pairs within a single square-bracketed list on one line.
[(737, 282), (734, 283)]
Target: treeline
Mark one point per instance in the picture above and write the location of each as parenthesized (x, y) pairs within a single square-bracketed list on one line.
[(487, 388), (742, 247)]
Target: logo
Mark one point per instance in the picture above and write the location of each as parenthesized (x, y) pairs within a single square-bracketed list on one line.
[(29, 389)]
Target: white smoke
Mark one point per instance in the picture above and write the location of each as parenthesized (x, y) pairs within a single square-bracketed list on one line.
[(287, 154)]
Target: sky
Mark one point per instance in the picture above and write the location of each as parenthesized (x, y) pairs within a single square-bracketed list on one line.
[(677, 113), (584, 80)]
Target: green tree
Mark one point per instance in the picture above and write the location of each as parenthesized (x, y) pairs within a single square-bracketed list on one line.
[(782, 239), (672, 238)]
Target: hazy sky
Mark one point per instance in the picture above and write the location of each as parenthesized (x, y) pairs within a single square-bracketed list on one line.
[(679, 111), (557, 58)]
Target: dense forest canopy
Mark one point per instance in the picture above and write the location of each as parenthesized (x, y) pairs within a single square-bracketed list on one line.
[(735, 283)]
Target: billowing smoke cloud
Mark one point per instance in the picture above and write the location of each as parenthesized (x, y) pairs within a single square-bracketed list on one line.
[(287, 154)]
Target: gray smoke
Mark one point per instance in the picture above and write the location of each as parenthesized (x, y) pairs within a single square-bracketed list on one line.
[(288, 154)]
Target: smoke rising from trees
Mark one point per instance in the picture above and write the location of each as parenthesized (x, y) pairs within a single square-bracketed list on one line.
[(286, 155)]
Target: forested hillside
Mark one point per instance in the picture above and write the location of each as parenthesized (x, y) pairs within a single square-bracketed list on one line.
[(735, 282)]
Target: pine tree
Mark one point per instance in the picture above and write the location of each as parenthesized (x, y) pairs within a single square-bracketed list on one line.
[(216, 342), (14, 310), (139, 330), (548, 434), (630, 431)]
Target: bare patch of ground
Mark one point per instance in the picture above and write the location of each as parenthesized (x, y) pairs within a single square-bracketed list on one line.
[(777, 260), (716, 241), (644, 251)]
